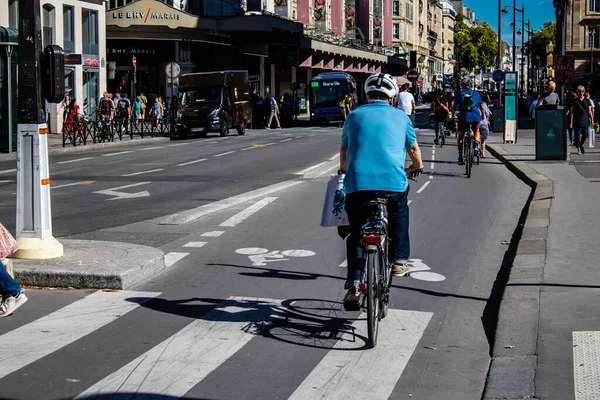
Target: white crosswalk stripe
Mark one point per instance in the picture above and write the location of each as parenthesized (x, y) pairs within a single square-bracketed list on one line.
[(29, 343), (181, 361)]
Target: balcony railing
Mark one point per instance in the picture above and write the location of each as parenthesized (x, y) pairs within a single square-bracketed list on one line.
[(449, 11), (431, 34)]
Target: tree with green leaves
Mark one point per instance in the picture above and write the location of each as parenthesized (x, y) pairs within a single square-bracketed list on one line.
[(474, 46), (536, 45)]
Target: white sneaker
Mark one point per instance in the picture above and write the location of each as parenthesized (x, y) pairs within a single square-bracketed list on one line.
[(400, 269), (10, 304)]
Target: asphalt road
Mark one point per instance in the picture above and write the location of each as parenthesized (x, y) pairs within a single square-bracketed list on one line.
[(250, 308)]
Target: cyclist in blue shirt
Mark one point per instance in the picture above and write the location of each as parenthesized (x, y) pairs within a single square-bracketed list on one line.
[(471, 112), (375, 140)]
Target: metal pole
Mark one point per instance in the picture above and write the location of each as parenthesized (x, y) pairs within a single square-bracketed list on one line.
[(10, 97), (528, 53), (500, 52), (522, 48), (514, 26)]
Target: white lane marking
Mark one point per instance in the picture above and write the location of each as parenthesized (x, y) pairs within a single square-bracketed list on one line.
[(174, 256), (248, 148), (306, 170), (433, 155), (195, 244), (6, 181), (242, 215), (431, 176), (8, 171), (145, 172), (116, 154), (432, 166), (322, 170), (201, 211), (224, 154), (423, 187), (285, 140), (267, 144), (335, 156), (260, 257), (427, 276), (65, 185), (344, 264), (152, 148), (191, 162), (124, 195), (372, 373), (54, 331), (586, 363), (410, 201), (177, 144), (76, 160), (176, 365), (213, 234), (298, 137)]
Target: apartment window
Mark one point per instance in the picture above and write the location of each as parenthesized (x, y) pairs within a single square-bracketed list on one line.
[(396, 49), (409, 33), (594, 5), (593, 41), (443, 41), (397, 9), (13, 14), (401, 31), (68, 28), (409, 11), (89, 32), (47, 25), (396, 31)]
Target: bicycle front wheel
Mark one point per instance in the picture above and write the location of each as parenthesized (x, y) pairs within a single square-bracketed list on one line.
[(373, 303), (468, 154)]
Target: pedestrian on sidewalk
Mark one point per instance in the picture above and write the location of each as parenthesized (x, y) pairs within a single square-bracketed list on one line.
[(532, 107), (587, 96), (12, 294), (484, 128), (406, 102), (551, 97), (571, 98), (274, 113), (581, 119)]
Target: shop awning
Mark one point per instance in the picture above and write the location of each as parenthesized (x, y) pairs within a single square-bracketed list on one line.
[(339, 65), (346, 51), (9, 36)]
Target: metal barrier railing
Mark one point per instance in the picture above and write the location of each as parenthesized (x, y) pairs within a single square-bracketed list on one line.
[(78, 133)]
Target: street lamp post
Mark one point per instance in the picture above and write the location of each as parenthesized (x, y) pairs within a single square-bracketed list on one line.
[(522, 34), (500, 53), (514, 27)]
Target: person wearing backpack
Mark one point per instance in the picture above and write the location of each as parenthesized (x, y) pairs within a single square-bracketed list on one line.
[(470, 106), (123, 110)]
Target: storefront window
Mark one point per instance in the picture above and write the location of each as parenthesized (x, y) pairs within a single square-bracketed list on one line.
[(68, 29), (89, 31), (69, 81), (90, 92)]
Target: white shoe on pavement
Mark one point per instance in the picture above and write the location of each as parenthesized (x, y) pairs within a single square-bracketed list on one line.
[(10, 304)]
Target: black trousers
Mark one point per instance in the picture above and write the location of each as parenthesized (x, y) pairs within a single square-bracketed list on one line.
[(581, 134)]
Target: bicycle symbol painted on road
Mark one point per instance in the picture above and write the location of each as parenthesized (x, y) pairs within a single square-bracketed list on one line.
[(260, 257), (421, 271)]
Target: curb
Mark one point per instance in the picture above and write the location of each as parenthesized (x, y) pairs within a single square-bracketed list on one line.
[(93, 146), (92, 264), (514, 354)]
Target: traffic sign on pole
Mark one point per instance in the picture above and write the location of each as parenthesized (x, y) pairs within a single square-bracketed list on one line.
[(498, 75), (134, 61), (412, 75)]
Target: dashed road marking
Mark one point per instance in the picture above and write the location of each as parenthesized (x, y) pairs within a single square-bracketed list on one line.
[(344, 264), (177, 144), (268, 144), (191, 162), (224, 154), (213, 234), (6, 181), (145, 172), (247, 148), (432, 166), (410, 201), (118, 153), (285, 140), (174, 256), (195, 244), (306, 170), (8, 171), (65, 185), (242, 215), (152, 148), (76, 160), (423, 187)]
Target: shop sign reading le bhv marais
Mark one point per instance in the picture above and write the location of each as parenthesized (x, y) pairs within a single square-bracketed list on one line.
[(146, 12)]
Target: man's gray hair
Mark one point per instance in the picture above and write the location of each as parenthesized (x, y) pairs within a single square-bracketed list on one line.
[(581, 87), (467, 83)]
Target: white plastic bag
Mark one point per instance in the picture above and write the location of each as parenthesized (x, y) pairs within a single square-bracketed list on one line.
[(592, 135), (334, 212)]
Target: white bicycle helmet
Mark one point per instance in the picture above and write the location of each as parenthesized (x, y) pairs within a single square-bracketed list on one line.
[(382, 83)]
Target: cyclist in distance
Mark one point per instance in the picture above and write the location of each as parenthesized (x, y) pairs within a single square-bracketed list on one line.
[(471, 111), (375, 140)]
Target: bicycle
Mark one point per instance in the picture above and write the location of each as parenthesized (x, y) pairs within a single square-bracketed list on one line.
[(376, 273), (468, 153)]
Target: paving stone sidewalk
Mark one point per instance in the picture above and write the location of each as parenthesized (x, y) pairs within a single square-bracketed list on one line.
[(548, 337)]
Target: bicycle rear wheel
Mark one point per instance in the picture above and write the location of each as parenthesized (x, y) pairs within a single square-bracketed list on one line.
[(373, 301), (468, 153)]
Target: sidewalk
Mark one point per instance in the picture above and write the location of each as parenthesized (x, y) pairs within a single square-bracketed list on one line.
[(547, 343), (55, 145)]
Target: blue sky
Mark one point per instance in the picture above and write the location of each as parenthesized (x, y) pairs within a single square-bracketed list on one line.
[(538, 11)]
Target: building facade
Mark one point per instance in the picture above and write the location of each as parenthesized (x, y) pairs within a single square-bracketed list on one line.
[(448, 21), (583, 40), (78, 26)]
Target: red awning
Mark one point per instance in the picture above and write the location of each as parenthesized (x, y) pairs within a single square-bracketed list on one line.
[(339, 66), (365, 68), (329, 65), (378, 70), (307, 63), (319, 65)]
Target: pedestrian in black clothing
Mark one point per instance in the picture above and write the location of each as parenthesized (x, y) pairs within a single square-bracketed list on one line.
[(581, 118)]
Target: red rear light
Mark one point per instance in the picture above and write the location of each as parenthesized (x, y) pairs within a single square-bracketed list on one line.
[(362, 287), (372, 239)]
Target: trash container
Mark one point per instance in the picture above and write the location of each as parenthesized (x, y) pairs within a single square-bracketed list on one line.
[(550, 133), (498, 119)]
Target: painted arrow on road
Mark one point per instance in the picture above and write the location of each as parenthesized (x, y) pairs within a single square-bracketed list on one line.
[(124, 195)]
